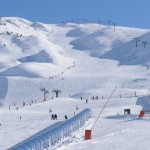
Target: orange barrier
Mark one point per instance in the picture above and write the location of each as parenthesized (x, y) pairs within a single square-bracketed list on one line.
[(88, 134), (142, 113)]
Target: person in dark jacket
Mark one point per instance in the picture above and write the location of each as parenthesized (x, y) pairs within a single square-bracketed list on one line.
[(52, 117), (56, 116), (66, 117)]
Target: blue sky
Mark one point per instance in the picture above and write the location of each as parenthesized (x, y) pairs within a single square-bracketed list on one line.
[(133, 13)]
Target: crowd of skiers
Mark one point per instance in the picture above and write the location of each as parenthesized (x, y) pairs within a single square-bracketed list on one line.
[(54, 116), (93, 98)]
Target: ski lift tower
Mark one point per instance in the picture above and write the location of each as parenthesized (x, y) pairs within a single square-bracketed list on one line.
[(56, 91), (45, 92)]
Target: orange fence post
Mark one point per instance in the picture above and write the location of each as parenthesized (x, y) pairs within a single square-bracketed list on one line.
[(88, 134)]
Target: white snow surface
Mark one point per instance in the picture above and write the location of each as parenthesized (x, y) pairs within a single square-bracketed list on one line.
[(81, 61)]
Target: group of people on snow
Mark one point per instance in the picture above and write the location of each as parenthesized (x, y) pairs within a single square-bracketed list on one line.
[(94, 97), (54, 117)]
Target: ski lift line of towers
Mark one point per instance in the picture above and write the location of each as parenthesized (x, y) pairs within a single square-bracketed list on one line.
[(54, 134), (56, 91), (137, 39), (109, 23), (85, 21)]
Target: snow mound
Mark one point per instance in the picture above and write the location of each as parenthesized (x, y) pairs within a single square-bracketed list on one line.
[(99, 42), (129, 54), (15, 21), (40, 26), (119, 45), (75, 33), (41, 57), (31, 70)]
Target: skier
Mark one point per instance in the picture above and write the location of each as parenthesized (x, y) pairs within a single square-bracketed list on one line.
[(77, 107), (52, 117), (86, 101), (20, 118), (66, 117), (23, 103), (55, 116)]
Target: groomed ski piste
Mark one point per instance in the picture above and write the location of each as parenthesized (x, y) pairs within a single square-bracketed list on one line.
[(81, 60)]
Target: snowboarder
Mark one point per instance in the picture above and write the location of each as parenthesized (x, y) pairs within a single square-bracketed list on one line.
[(81, 97)]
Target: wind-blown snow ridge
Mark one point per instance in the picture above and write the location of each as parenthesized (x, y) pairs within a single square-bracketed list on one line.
[(41, 57)]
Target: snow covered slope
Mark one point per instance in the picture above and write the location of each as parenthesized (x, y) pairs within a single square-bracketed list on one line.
[(37, 50), (79, 60)]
